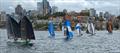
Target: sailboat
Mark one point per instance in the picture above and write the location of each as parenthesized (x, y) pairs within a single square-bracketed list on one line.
[(78, 28), (90, 27), (63, 29), (26, 29), (13, 28), (109, 26), (69, 32), (51, 29)]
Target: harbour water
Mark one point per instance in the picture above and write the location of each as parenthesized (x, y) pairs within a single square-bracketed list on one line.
[(101, 42)]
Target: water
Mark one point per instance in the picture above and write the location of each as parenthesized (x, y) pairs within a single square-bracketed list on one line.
[(102, 42)]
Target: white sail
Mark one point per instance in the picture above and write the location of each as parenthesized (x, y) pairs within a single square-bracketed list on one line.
[(78, 29), (91, 28)]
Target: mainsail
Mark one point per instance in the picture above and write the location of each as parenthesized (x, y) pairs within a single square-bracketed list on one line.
[(51, 28), (26, 29), (69, 32), (13, 28), (78, 28), (90, 28), (109, 26)]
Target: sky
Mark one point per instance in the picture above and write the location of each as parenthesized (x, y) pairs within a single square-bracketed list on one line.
[(112, 6)]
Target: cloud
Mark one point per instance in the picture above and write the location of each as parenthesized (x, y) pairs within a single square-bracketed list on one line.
[(77, 5)]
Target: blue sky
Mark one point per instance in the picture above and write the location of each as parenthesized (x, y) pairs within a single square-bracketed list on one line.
[(112, 6)]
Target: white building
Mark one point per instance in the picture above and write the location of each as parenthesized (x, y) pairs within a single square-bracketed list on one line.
[(44, 7), (101, 14), (40, 8), (92, 12), (3, 16), (106, 15), (54, 9), (19, 10)]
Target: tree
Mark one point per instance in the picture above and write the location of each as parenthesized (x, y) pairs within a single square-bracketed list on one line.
[(118, 17), (58, 14), (42, 17), (84, 13)]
